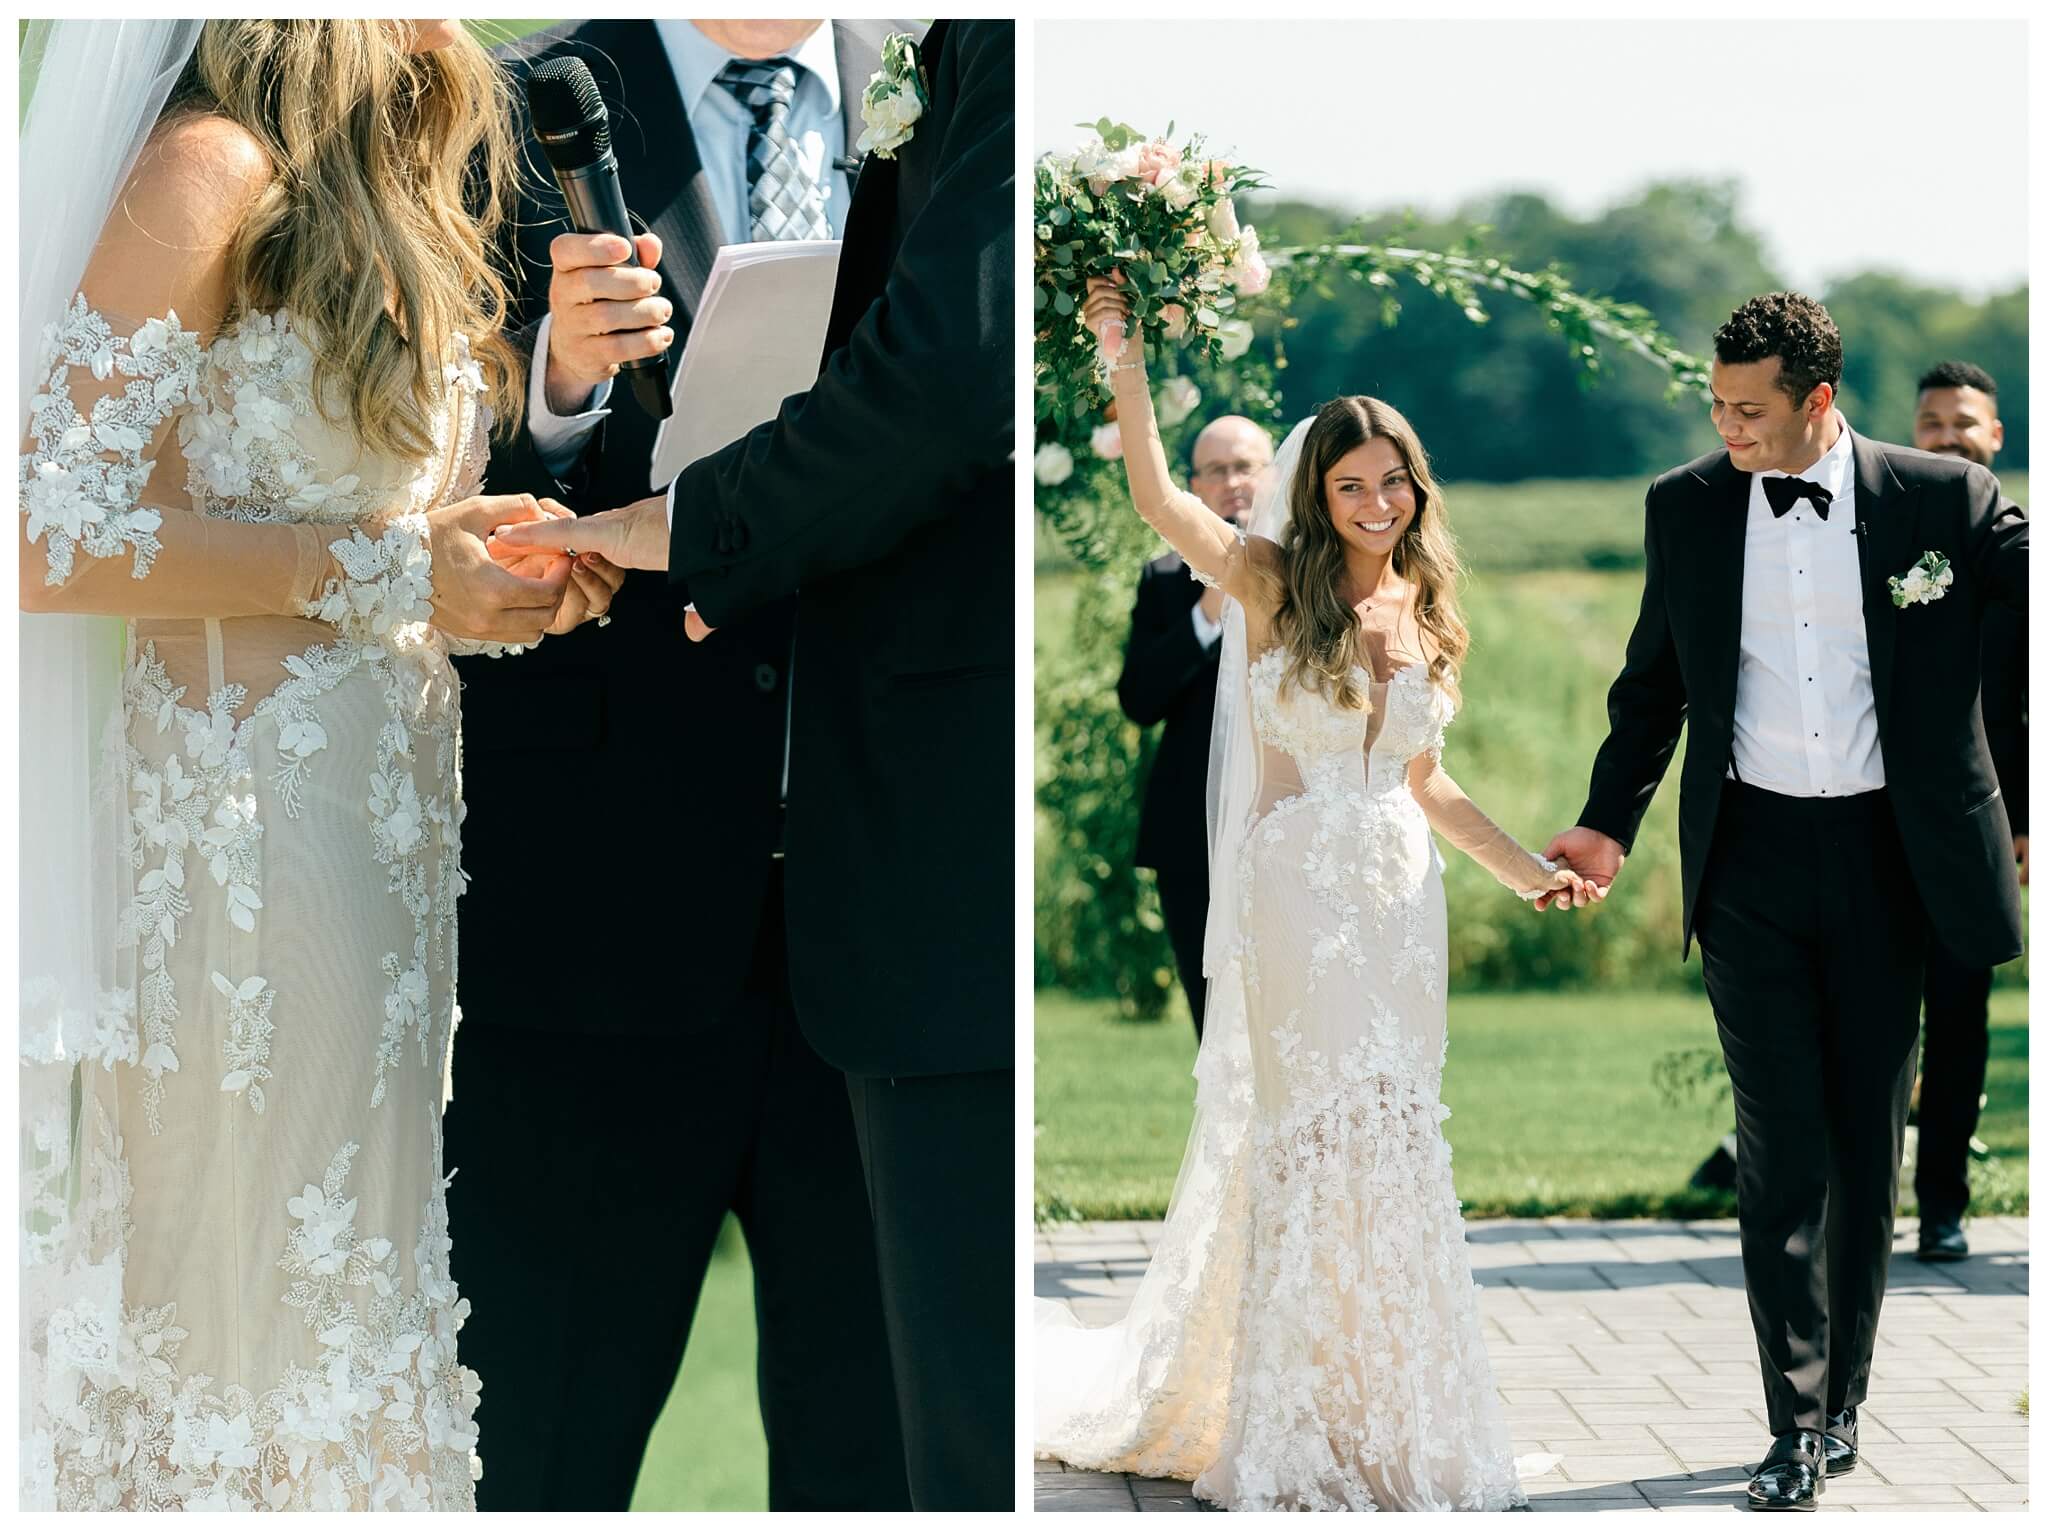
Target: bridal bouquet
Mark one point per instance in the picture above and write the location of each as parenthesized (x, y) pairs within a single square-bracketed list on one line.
[(1163, 215)]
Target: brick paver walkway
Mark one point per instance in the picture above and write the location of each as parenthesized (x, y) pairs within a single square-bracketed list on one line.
[(1625, 1347)]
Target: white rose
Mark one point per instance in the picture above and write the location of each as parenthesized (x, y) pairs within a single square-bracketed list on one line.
[(1052, 464), (1915, 584), (1236, 335), (1179, 192), (1176, 400), (1944, 579), (1107, 442), (1223, 221)]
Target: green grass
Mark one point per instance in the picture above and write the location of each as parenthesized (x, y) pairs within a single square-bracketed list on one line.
[(1553, 1110), (707, 1451)]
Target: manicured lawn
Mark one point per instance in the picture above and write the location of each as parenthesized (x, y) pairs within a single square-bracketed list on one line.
[(707, 1452), (1553, 1111)]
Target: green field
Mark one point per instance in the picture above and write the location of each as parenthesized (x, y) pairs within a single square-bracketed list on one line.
[(1553, 1112), (707, 1452)]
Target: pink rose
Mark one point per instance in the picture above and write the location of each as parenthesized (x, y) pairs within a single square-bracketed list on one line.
[(1175, 318), (1215, 172), (1248, 271), (1107, 442), (1157, 162), (1223, 221)]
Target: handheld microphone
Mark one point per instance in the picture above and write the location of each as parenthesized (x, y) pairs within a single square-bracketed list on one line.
[(575, 133)]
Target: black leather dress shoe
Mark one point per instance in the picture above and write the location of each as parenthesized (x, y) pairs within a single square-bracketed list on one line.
[(1791, 1476), (1943, 1239), (1838, 1443)]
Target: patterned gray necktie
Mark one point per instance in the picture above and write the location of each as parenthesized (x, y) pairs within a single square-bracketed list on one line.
[(783, 199)]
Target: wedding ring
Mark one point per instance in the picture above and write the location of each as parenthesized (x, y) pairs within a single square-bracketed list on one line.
[(570, 551)]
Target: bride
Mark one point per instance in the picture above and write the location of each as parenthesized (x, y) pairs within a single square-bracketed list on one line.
[(1306, 1335), (255, 430)]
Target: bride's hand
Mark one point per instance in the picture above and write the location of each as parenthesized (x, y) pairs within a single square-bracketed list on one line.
[(1107, 312), (1568, 890)]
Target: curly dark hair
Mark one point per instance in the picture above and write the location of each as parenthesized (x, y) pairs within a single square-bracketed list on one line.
[(1957, 374), (1791, 327)]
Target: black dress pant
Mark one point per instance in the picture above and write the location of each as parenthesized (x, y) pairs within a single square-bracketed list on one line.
[(1812, 937), (1184, 903), (940, 1158), (1952, 1061), (592, 1177)]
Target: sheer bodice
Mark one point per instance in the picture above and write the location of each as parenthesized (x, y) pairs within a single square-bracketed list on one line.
[(240, 1294)]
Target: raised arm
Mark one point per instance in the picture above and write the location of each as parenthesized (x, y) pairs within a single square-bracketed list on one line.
[(1217, 553), (1464, 827)]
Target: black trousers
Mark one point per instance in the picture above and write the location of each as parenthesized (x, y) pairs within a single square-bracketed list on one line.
[(1952, 1060), (1184, 902), (1812, 936), (592, 1179), (940, 1159)]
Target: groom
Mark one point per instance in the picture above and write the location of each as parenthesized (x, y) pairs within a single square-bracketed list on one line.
[(1837, 804), (881, 500)]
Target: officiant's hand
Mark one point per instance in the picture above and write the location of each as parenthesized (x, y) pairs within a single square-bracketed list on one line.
[(1595, 857), (604, 313), (632, 537)]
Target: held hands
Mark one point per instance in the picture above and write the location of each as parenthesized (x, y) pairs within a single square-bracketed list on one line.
[(593, 579), (474, 595), (604, 313), (632, 537), (1593, 858)]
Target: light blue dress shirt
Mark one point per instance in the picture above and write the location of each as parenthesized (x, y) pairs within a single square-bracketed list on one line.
[(720, 125)]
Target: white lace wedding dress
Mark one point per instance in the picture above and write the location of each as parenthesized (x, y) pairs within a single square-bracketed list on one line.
[(1307, 1335), (236, 1283)]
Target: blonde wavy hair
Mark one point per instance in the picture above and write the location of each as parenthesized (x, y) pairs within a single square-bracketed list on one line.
[(1312, 620), (392, 173)]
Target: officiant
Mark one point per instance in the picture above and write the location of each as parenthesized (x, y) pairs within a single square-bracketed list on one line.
[(670, 1084), (1169, 675)]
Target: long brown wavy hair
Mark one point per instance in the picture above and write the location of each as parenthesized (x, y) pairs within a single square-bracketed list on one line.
[(1312, 620), (392, 173)]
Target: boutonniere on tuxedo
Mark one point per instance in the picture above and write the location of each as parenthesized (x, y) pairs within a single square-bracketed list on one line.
[(1923, 584), (895, 99)]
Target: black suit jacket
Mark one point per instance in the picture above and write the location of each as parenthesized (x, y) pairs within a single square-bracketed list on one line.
[(1685, 650), (689, 735), (884, 498), (2005, 705), (1169, 675)]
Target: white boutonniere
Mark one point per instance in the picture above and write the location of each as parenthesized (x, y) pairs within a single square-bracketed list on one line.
[(895, 99), (1923, 584)]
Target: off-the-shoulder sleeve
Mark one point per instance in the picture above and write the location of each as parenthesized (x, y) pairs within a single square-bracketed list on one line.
[(103, 530)]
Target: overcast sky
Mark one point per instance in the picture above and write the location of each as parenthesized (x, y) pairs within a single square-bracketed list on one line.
[(1929, 180)]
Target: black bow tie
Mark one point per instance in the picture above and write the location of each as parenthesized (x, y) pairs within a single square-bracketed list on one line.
[(1784, 493)]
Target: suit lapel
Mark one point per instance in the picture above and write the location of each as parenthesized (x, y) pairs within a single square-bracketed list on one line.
[(1719, 541), (1884, 536), (865, 252)]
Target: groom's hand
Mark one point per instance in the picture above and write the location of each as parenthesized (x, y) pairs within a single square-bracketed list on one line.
[(1595, 857), (604, 313), (634, 537)]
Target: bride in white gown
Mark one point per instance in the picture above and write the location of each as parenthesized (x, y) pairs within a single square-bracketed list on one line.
[(1307, 1336), (238, 962)]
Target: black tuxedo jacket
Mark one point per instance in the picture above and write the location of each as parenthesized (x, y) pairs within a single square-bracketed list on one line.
[(689, 736), (1169, 675), (883, 499), (1924, 660)]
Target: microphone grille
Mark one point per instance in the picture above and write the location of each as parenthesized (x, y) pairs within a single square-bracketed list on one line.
[(569, 116)]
